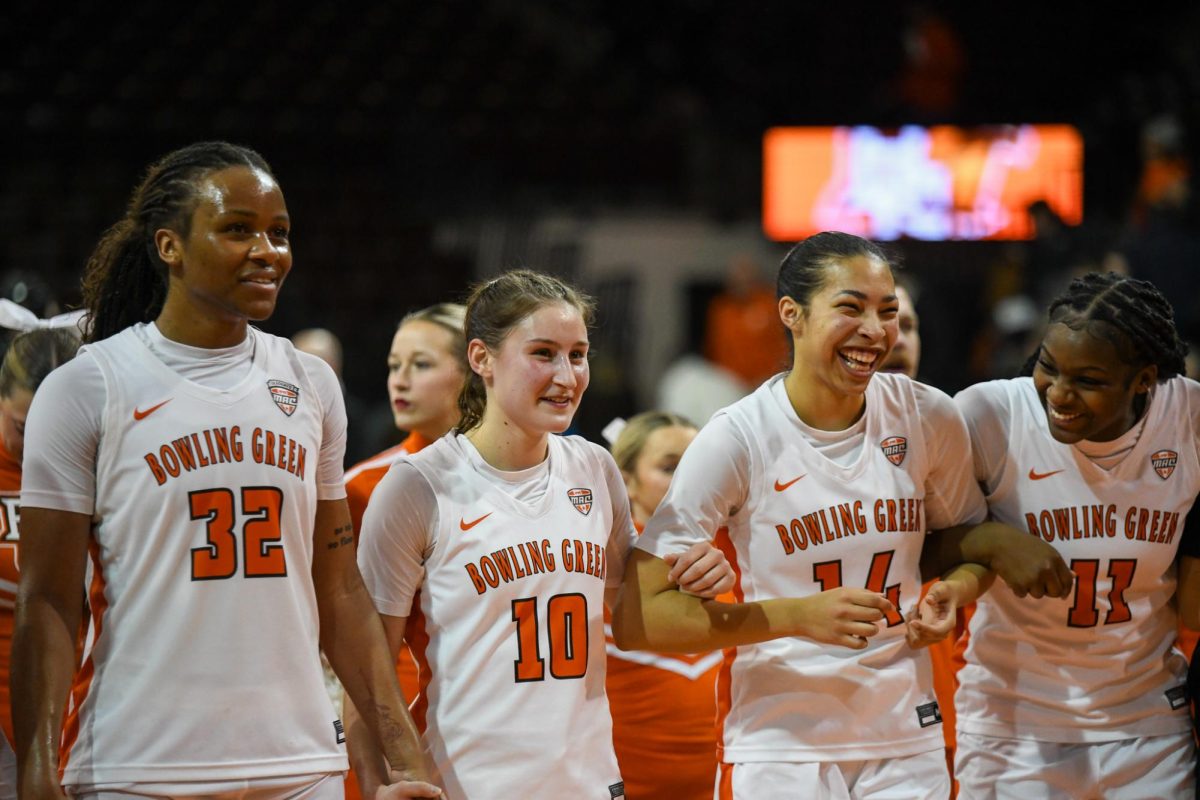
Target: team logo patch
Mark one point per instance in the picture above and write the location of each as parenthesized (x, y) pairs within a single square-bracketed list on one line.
[(1164, 462), (895, 448), (581, 499), (1177, 697), (929, 714), (285, 395)]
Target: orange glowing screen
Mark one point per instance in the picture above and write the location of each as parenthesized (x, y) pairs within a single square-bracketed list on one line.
[(936, 183)]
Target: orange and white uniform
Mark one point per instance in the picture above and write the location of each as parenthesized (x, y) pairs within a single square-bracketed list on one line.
[(202, 470), (808, 511), (361, 480), (664, 721), (10, 514), (512, 569), (1098, 667)]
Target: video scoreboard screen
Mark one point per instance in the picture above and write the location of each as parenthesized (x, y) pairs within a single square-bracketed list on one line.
[(936, 183)]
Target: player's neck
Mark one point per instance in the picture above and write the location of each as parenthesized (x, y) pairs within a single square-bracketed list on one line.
[(820, 406), (185, 324), (506, 446)]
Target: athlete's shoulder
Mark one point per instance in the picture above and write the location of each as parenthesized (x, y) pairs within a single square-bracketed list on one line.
[(995, 396), (81, 374), (378, 463)]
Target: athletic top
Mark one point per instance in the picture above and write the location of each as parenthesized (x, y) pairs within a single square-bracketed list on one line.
[(811, 510), (1098, 666), (204, 665), (512, 568), (664, 714), (10, 514), (363, 477), (361, 480)]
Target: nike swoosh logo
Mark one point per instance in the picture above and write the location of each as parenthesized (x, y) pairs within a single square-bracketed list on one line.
[(139, 414), (779, 487), (466, 526), (1037, 476)]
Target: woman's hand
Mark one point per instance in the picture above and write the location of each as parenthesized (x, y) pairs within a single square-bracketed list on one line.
[(701, 570), (844, 616)]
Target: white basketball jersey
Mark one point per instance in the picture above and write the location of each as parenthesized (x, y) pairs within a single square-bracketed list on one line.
[(512, 613), (809, 525), (205, 663), (1098, 666)]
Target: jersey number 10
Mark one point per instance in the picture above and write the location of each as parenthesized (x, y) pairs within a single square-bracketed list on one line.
[(566, 636)]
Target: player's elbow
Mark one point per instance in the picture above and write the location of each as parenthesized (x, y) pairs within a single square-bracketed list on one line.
[(628, 624)]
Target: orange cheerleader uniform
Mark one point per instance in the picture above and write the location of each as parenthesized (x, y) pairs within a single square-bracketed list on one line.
[(10, 495), (664, 721), (361, 480)]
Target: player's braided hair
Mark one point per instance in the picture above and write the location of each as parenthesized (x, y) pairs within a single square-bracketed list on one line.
[(32, 356), (495, 308), (125, 281), (1136, 319)]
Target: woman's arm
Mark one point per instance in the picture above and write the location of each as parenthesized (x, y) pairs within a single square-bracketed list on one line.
[(653, 614), (1026, 563), (355, 644), (936, 613), (49, 607), (366, 754)]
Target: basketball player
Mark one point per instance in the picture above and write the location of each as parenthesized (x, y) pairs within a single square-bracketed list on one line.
[(513, 536), (828, 478), (663, 704), (29, 359), (905, 355), (1096, 454), (197, 461), (427, 366)]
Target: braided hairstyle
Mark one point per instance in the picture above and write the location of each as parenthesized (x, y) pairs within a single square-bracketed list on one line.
[(125, 282), (1134, 317), (494, 309)]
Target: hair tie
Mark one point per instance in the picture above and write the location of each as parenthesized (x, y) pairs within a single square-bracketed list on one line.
[(16, 317), (613, 430)]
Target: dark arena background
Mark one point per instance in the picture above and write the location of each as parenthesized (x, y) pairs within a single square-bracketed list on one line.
[(423, 146)]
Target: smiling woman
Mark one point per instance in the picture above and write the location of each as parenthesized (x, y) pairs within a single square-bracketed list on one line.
[(1097, 454), (173, 448), (491, 552), (824, 482)]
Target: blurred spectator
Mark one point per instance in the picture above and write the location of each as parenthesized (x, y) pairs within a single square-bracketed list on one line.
[(1166, 169), (743, 333), (695, 388), (906, 353), (362, 428), (27, 289)]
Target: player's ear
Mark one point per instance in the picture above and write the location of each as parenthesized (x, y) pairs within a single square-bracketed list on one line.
[(1145, 379), (479, 358), (169, 245), (791, 314)]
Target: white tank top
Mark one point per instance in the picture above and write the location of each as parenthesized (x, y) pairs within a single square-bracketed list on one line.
[(204, 664), (1099, 665), (509, 632), (806, 524)]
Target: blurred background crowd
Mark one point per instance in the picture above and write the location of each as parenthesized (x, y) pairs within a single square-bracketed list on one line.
[(424, 146)]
